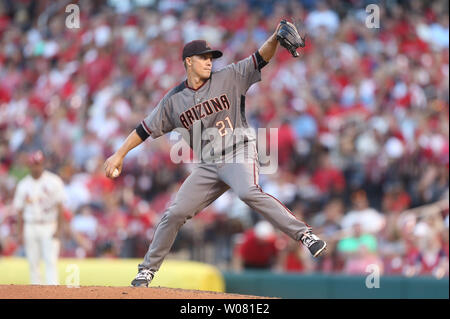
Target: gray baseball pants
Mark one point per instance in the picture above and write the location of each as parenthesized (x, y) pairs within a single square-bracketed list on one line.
[(204, 185)]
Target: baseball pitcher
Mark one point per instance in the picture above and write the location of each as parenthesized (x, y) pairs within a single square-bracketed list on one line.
[(39, 200), (208, 108)]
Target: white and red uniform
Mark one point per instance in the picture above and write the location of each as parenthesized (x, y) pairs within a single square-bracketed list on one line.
[(39, 199)]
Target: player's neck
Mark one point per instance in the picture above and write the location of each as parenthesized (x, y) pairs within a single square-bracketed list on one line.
[(194, 81), (37, 176)]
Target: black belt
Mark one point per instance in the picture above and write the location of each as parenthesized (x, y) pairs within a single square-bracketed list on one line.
[(234, 145)]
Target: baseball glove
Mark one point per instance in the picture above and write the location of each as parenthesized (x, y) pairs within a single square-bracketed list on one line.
[(289, 38)]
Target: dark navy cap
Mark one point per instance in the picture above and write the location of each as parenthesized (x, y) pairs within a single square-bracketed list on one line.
[(198, 47)]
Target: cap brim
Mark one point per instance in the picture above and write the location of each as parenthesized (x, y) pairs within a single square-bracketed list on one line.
[(215, 53)]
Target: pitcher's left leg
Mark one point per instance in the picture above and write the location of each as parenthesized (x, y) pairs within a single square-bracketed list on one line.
[(243, 179)]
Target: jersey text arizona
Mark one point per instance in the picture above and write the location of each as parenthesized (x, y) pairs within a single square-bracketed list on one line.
[(204, 109)]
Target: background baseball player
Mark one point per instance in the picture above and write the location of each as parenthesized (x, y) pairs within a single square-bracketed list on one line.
[(213, 103), (39, 199)]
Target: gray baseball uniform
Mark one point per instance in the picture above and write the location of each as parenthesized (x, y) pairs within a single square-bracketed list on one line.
[(213, 117)]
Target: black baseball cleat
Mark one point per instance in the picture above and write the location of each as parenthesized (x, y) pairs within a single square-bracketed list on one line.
[(143, 278), (315, 245)]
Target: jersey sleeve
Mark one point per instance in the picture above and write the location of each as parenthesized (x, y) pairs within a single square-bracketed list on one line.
[(248, 70), (157, 123)]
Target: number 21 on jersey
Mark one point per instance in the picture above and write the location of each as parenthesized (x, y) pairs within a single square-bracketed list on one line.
[(222, 126)]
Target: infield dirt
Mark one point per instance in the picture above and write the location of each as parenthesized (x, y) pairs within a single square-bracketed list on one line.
[(95, 292)]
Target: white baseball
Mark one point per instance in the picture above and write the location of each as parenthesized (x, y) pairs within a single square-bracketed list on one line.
[(115, 173)]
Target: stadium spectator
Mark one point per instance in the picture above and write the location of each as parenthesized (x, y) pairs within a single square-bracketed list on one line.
[(328, 223), (322, 16), (361, 214), (359, 250), (83, 230), (258, 249)]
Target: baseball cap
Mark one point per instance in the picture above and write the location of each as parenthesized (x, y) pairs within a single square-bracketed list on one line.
[(35, 157), (198, 47), (264, 230)]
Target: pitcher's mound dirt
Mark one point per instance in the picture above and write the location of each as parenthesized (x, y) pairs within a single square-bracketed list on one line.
[(94, 292)]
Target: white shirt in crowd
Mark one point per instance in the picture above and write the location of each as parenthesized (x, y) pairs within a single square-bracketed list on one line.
[(39, 198), (371, 220), (328, 19)]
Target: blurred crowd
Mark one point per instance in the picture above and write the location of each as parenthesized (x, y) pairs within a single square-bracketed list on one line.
[(362, 118)]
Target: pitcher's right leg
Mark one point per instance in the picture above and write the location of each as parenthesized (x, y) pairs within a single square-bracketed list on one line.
[(199, 190)]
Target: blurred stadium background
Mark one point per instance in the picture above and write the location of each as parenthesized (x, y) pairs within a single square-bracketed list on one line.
[(362, 116)]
